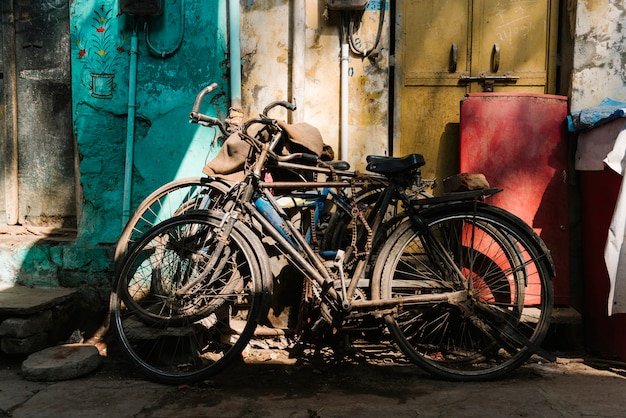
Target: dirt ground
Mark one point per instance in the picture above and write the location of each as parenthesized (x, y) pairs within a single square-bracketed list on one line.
[(272, 380)]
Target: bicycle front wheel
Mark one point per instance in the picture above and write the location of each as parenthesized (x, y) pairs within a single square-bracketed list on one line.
[(498, 276), (185, 302)]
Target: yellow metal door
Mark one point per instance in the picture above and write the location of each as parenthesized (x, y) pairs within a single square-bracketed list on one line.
[(511, 45), (448, 48)]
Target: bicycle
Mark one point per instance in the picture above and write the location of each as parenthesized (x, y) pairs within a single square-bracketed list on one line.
[(181, 195), (475, 304)]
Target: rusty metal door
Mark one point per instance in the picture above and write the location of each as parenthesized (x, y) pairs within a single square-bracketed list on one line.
[(448, 48), (38, 158)]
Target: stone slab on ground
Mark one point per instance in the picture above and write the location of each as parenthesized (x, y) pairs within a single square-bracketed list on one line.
[(23, 300), (25, 345), (314, 387), (61, 362), (23, 327)]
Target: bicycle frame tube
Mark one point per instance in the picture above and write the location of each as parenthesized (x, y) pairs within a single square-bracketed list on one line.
[(310, 264)]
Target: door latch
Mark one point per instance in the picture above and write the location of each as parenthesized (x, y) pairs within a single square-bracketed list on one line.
[(488, 81)]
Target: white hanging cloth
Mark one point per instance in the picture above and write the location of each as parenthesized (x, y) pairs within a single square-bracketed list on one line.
[(615, 249)]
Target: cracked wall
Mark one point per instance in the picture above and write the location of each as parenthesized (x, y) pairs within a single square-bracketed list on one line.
[(599, 53), (183, 51), (267, 70)]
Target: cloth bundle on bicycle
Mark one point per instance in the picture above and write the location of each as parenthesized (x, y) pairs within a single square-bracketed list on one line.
[(464, 182), (299, 137)]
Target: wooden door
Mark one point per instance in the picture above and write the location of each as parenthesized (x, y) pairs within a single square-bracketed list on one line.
[(38, 158), (448, 48)]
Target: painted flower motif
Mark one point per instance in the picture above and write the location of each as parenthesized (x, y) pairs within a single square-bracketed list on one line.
[(97, 44), (102, 42)]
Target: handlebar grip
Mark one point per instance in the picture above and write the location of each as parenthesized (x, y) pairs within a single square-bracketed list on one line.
[(309, 158), (287, 105), (208, 120), (204, 118), (208, 89)]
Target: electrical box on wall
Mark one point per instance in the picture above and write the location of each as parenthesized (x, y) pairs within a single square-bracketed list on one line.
[(347, 4), (141, 7)]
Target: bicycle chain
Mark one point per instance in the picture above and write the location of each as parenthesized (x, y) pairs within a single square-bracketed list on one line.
[(314, 242), (356, 213)]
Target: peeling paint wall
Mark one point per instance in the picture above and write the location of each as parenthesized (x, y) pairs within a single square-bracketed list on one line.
[(183, 51), (599, 53), (167, 147), (267, 71)]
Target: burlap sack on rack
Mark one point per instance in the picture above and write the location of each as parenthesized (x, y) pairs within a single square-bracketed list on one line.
[(229, 161)]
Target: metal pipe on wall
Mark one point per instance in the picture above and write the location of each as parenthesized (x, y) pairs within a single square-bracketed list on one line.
[(234, 48), (298, 60), (345, 59), (130, 131)]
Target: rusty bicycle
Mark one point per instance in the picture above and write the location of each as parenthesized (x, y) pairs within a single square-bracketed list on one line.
[(464, 288)]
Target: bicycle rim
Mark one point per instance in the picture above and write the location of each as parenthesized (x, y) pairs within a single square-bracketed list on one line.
[(509, 302), (174, 337)]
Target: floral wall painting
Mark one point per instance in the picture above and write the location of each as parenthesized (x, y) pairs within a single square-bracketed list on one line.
[(98, 48)]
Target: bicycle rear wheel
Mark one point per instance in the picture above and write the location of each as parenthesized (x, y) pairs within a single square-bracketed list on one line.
[(184, 306), (502, 272), (171, 199)]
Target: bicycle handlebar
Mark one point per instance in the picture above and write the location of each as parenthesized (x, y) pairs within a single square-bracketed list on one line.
[(200, 97), (197, 117), (287, 105), (304, 156)]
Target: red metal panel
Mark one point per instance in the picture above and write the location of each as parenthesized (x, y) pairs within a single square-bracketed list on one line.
[(518, 141)]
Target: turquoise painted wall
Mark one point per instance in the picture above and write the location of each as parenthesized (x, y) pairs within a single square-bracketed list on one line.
[(166, 146)]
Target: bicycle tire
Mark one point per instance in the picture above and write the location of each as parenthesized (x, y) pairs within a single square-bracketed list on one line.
[(187, 345), (171, 199), (507, 313)]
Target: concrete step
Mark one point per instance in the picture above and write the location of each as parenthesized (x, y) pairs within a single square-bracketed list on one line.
[(23, 300), (32, 319)]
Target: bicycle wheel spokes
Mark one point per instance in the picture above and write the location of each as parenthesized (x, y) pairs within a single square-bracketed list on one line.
[(487, 258), (178, 200), (181, 271), (176, 354), (171, 199), (182, 310), (506, 312)]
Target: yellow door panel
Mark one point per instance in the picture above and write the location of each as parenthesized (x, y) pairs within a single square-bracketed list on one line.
[(430, 127), (436, 34), (513, 38)]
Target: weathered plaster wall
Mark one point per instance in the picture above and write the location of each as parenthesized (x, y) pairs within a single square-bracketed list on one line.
[(166, 146), (267, 72), (599, 52)]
